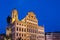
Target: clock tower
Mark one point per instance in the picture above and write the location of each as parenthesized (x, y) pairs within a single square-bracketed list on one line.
[(14, 15)]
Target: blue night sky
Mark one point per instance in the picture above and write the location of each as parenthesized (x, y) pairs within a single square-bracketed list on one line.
[(47, 12)]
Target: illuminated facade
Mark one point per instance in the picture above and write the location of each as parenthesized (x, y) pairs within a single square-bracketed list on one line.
[(41, 33), (26, 29)]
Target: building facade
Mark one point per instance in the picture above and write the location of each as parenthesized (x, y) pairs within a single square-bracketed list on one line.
[(25, 29), (9, 32), (41, 33), (48, 36), (53, 36)]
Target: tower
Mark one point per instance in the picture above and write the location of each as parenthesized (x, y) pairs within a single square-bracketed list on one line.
[(14, 15)]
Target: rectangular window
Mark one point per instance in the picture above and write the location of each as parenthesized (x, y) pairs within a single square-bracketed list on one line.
[(17, 28), (22, 29), (22, 35), (17, 34)]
